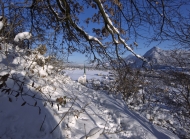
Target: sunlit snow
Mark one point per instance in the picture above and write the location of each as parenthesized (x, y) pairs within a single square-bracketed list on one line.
[(22, 36), (81, 112)]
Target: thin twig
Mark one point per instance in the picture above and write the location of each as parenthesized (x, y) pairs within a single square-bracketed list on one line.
[(85, 131), (42, 123), (63, 116)]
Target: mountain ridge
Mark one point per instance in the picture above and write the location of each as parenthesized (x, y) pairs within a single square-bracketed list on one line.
[(158, 58)]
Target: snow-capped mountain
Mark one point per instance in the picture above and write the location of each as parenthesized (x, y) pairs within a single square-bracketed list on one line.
[(156, 55), (158, 58)]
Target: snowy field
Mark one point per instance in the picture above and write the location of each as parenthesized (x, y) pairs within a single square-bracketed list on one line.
[(90, 73), (37, 103)]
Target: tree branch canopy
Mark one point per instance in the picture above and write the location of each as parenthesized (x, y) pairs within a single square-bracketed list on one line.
[(108, 31)]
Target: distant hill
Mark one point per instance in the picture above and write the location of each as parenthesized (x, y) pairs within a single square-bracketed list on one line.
[(159, 58)]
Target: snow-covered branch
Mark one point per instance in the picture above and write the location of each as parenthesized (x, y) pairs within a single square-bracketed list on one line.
[(79, 29), (1, 22), (113, 30)]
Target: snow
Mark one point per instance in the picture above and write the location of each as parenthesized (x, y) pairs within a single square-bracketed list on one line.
[(159, 58), (82, 79), (93, 134), (1, 22), (92, 38), (90, 74), (84, 112), (22, 36), (110, 23), (1, 25)]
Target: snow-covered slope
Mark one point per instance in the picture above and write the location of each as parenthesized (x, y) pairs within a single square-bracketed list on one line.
[(37, 103)]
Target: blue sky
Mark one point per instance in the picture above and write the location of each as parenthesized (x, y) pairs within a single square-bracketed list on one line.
[(141, 49), (80, 58), (142, 45)]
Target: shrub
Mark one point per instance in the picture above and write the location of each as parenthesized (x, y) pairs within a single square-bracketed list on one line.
[(40, 62), (42, 49)]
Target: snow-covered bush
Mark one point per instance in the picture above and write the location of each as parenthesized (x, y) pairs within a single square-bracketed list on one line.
[(40, 62), (58, 65), (96, 82), (22, 40), (82, 79), (23, 36)]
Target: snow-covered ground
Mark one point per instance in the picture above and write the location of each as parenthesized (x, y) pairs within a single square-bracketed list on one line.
[(90, 73), (37, 103)]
